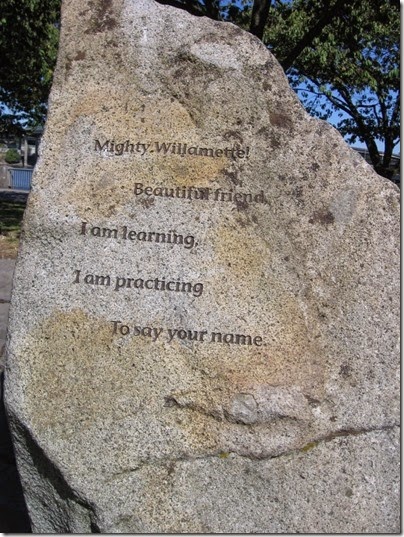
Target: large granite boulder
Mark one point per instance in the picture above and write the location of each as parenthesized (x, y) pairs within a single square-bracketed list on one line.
[(204, 322)]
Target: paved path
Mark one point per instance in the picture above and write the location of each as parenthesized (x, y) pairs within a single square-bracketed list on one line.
[(6, 277)]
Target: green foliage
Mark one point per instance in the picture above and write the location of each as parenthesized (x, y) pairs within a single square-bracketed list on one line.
[(12, 156), (11, 215), (28, 47), (351, 68)]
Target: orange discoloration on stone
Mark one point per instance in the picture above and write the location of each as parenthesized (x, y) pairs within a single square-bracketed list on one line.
[(114, 117), (191, 171), (240, 251), (92, 371), (77, 388)]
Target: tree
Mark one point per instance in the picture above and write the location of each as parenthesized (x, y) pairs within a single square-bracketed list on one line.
[(28, 48), (12, 156), (351, 67)]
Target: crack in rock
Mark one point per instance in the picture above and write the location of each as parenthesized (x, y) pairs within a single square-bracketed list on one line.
[(225, 454)]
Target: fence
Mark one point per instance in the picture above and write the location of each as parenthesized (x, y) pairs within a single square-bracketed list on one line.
[(20, 178)]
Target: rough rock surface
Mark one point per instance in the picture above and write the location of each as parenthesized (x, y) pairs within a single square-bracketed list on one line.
[(204, 322)]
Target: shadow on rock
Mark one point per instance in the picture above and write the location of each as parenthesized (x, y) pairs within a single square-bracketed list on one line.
[(13, 510)]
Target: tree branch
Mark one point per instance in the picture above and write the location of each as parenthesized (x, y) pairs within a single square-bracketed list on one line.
[(312, 33), (338, 103)]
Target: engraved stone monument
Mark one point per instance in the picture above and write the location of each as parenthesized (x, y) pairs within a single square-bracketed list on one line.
[(204, 323)]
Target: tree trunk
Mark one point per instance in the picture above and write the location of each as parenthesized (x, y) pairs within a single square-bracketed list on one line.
[(259, 17)]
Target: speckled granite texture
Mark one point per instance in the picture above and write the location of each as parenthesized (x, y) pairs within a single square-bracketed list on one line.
[(204, 323)]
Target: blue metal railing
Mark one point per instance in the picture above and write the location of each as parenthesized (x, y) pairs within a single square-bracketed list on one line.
[(20, 178)]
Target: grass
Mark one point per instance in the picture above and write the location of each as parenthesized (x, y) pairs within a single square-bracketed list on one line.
[(11, 213)]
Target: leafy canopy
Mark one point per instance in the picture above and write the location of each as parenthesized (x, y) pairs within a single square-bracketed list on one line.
[(351, 68), (28, 46)]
